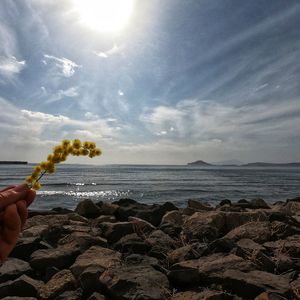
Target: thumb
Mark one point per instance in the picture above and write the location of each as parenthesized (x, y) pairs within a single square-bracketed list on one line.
[(13, 195)]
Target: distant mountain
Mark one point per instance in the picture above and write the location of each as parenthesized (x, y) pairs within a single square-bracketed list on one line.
[(228, 162), (199, 163), (6, 162), (264, 164)]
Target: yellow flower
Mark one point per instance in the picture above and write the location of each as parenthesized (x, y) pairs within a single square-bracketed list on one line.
[(60, 153)]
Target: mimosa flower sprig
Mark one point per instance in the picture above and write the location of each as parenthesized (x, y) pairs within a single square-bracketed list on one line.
[(60, 154)]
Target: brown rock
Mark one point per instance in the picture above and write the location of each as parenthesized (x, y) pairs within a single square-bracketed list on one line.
[(114, 231), (96, 256), (269, 296), (60, 282), (70, 295), (135, 282), (141, 227), (253, 283), (205, 295), (89, 279), (96, 296), (249, 245), (88, 209), (199, 205), (48, 220), (173, 217), (257, 231), (296, 288), (35, 231), (203, 226), (132, 243), (13, 268), (107, 208), (290, 245)]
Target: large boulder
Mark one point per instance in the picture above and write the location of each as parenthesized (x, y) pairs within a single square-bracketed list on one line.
[(23, 286), (96, 256), (259, 232), (206, 269), (204, 226), (114, 231), (59, 283), (135, 282), (88, 209), (60, 257), (151, 213), (13, 268)]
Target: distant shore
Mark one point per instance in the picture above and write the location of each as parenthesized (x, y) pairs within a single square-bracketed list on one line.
[(128, 250), (13, 162)]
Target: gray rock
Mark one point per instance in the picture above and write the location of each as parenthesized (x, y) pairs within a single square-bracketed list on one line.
[(13, 268), (23, 286), (135, 282), (88, 209), (114, 231), (96, 256), (60, 257), (59, 283)]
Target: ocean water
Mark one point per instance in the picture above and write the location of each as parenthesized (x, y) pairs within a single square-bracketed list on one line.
[(156, 184)]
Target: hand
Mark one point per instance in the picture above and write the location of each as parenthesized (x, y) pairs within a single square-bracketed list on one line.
[(14, 201)]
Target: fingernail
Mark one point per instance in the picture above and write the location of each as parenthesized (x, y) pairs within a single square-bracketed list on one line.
[(21, 187)]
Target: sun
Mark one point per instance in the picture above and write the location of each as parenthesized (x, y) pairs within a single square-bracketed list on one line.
[(104, 15)]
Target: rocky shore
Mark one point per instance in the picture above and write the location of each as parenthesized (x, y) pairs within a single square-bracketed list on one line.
[(127, 250)]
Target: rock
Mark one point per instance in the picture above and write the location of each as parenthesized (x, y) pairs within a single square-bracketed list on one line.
[(132, 243), (253, 283), (291, 208), (223, 244), (70, 295), (151, 213), (53, 233), (170, 229), (95, 256), (172, 217), (89, 279), (257, 231), (107, 208), (137, 259), (101, 219), (205, 295), (188, 252), (62, 210), (295, 285), (23, 286), (114, 231), (77, 217), (269, 296), (48, 220), (96, 296), (60, 257), (141, 227), (225, 202), (88, 209), (83, 240), (60, 282), (26, 246), (206, 269), (203, 226), (198, 205), (259, 203), (35, 231), (290, 245), (249, 245), (19, 298), (283, 262), (160, 244), (236, 219), (135, 282), (13, 268)]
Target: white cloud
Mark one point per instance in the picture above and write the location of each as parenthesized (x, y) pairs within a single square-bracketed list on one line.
[(105, 54), (10, 66), (71, 92), (66, 67)]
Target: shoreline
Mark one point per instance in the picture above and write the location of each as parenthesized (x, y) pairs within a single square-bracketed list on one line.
[(130, 250)]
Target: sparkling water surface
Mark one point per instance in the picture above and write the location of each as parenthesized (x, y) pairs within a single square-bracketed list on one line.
[(156, 184)]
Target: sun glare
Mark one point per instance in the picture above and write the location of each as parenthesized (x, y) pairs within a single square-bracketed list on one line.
[(104, 15)]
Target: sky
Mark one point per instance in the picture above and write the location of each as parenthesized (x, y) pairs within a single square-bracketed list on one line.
[(179, 81)]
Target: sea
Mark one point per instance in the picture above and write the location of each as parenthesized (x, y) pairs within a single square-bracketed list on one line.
[(156, 184)]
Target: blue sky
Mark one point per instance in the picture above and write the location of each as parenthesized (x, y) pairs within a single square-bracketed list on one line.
[(184, 80)]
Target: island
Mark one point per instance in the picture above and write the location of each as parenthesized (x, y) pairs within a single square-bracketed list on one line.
[(201, 163), (15, 162)]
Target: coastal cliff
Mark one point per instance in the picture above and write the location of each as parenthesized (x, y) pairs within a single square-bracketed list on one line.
[(128, 250)]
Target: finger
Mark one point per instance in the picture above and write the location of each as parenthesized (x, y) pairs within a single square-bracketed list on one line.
[(13, 195), (30, 197), (10, 230), (22, 211), (8, 188)]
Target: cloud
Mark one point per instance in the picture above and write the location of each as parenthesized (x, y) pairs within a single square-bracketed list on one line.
[(65, 66), (10, 66), (71, 92), (115, 49)]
